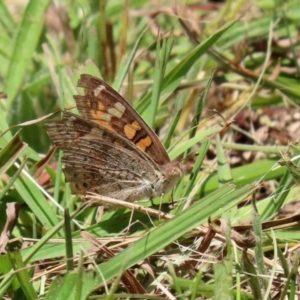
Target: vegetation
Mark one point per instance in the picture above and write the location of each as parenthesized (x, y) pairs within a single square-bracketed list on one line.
[(219, 83)]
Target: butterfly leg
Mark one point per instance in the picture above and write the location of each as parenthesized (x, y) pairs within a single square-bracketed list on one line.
[(152, 203), (171, 200)]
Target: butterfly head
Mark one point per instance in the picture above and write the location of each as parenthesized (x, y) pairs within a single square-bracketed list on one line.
[(170, 173)]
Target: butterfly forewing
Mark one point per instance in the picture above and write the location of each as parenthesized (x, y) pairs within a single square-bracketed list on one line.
[(105, 106)]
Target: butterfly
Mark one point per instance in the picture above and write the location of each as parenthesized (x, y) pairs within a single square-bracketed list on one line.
[(109, 149)]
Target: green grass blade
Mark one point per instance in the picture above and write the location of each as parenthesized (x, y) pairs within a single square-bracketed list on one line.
[(7, 22), (11, 152), (196, 168), (224, 172), (251, 274), (26, 41), (162, 56), (223, 278), (125, 64), (23, 276), (69, 244)]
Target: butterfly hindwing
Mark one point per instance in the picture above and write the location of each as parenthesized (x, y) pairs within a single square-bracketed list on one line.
[(97, 160)]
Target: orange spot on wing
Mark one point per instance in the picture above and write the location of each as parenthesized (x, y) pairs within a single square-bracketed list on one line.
[(129, 132), (100, 115), (144, 143), (106, 125), (136, 125), (101, 106), (102, 119), (131, 129)]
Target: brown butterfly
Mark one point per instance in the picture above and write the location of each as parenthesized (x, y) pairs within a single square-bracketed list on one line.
[(109, 149)]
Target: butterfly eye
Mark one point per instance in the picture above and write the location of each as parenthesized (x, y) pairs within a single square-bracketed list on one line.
[(85, 185)]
